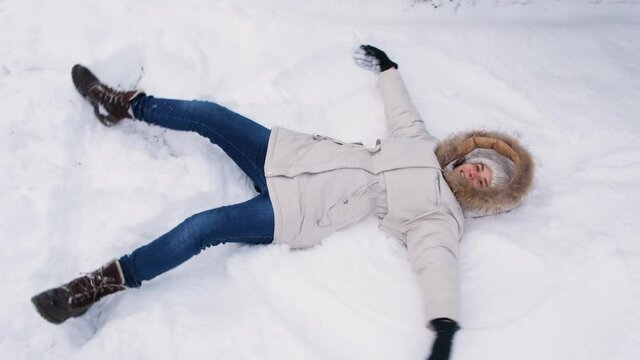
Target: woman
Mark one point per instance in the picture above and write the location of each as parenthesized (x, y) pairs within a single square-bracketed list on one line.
[(310, 186)]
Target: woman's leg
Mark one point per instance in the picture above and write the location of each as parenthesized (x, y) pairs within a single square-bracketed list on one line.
[(244, 140), (250, 222)]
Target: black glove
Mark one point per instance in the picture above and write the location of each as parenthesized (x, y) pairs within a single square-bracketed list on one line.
[(372, 58), (445, 329)]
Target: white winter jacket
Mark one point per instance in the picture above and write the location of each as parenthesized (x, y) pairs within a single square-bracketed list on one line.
[(320, 185)]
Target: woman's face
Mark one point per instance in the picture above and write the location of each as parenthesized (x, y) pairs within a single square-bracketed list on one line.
[(478, 175)]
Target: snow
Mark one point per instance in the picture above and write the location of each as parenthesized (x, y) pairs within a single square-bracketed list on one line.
[(557, 279)]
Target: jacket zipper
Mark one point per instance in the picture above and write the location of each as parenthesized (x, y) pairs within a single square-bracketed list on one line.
[(438, 188)]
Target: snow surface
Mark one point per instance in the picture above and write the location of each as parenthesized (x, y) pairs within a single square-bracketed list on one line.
[(557, 279)]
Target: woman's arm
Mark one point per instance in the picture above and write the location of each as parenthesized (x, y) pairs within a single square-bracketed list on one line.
[(433, 246), (403, 120)]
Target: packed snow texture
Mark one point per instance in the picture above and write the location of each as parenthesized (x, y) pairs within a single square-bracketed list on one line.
[(559, 278)]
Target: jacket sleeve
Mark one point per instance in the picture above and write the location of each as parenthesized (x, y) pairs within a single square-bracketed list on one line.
[(403, 120), (433, 248)]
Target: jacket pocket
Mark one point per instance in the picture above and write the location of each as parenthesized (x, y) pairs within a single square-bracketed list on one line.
[(317, 137), (348, 209)]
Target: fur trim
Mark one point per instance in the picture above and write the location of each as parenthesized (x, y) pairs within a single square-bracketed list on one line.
[(492, 200)]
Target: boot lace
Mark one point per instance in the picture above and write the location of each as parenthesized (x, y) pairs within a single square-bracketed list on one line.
[(91, 287), (110, 96)]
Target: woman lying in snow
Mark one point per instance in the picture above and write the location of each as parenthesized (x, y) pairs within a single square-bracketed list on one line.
[(310, 186)]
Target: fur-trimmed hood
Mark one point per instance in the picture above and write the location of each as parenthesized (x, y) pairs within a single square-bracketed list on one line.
[(492, 200)]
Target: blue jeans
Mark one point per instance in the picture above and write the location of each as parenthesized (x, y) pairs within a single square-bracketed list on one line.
[(250, 222)]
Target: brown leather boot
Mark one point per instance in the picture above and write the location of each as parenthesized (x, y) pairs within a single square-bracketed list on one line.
[(76, 297), (109, 105)]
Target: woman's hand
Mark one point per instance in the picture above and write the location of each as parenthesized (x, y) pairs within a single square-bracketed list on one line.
[(374, 59), (445, 329)]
